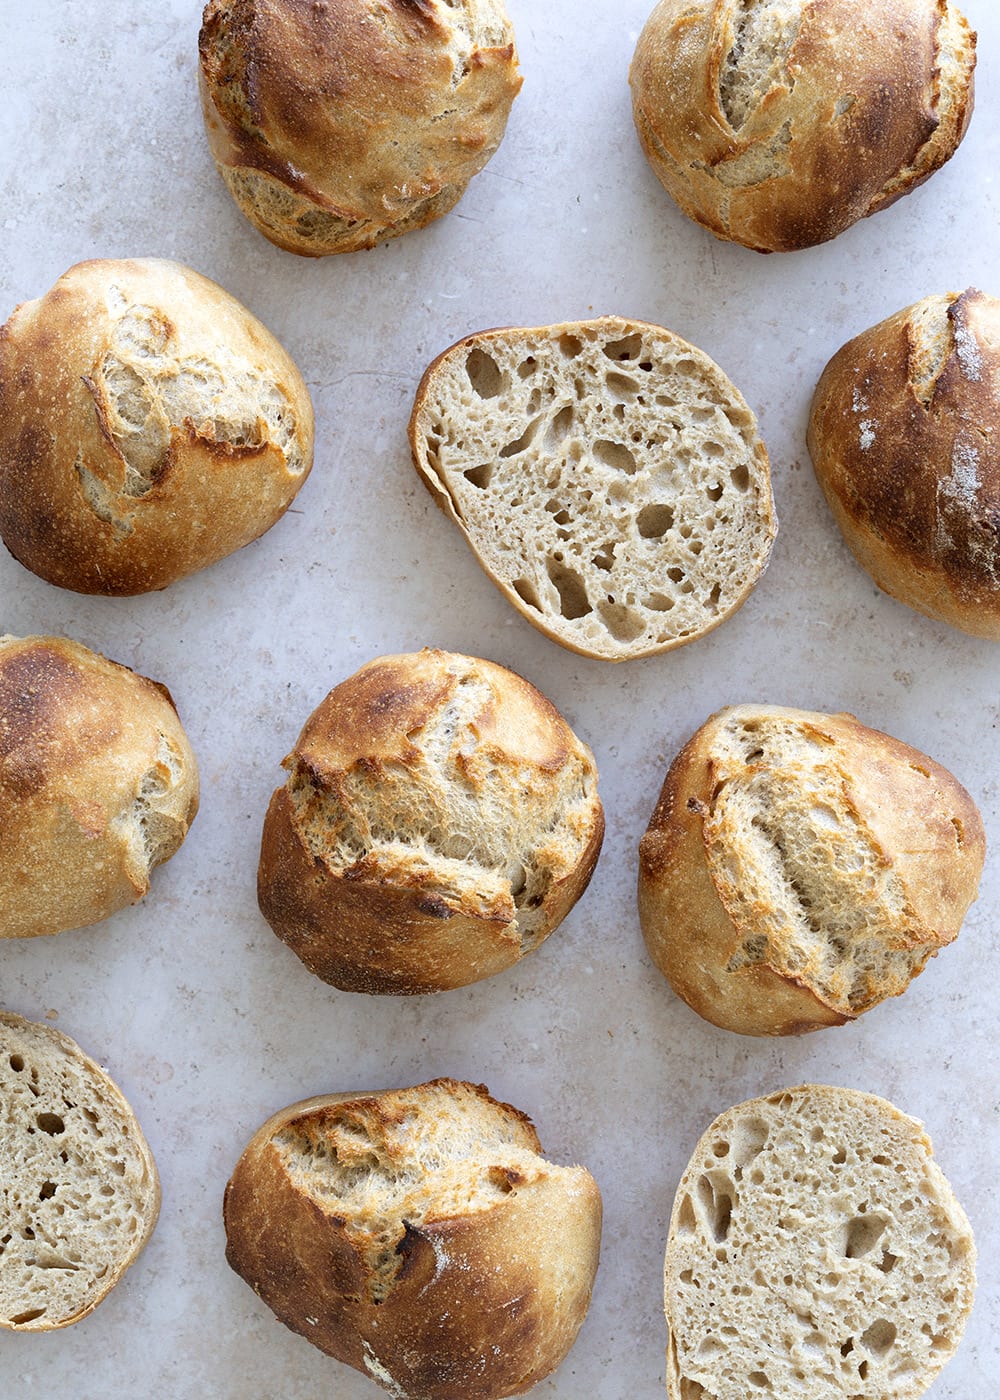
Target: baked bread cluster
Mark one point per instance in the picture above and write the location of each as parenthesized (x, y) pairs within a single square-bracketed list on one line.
[(80, 1191), (98, 785), (815, 1250), (904, 434), (799, 868), (340, 124), (439, 820), (780, 123), (149, 426), (419, 1236), (607, 475)]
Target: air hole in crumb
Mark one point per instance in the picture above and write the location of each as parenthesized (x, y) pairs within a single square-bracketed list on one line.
[(480, 476), (573, 600), (623, 624), (879, 1337), (50, 1123), (559, 428), (740, 477), (28, 1316), (524, 441), (888, 1261), (658, 602), (863, 1234), (16, 1063), (714, 493), (527, 367), (654, 520), (570, 345), (622, 386), (484, 373), (615, 455), (628, 348), (676, 575), (48, 1191)]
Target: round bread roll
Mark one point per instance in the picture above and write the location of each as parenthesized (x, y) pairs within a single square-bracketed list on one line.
[(816, 1252), (439, 820), (799, 868), (341, 124), (98, 785), (608, 476), (80, 1191), (905, 440), (419, 1236), (779, 123), (149, 425)]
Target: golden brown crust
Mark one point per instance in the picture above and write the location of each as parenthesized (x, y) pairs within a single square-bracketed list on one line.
[(484, 1300), (149, 426), (388, 889), (339, 124), (862, 106), (97, 785), (905, 822), (904, 434)]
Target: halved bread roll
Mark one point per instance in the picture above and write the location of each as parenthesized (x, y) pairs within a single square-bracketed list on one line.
[(816, 1252), (80, 1191), (607, 475)]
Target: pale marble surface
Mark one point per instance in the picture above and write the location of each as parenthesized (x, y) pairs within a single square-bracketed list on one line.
[(205, 1019)]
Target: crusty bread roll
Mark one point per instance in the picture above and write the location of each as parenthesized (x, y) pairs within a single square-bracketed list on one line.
[(799, 868), (779, 123), (98, 785), (816, 1252), (905, 439), (340, 124), (439, 820), (419, 1236), (149, 425), (607, 475), (80, 1191)]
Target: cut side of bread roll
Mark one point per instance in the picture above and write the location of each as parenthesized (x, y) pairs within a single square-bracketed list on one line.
[(80, 1193), (419, 1236), (816, 1252), (799, 868), (607, 475)]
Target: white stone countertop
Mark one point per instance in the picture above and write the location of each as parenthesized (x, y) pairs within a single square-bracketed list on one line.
[(207, 1022)]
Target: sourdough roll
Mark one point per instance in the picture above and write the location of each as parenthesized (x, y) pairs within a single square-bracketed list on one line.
[(816, 1252), (779, 123), (340, 124), (80, 1191), (98, 785), (904, 434), (149, 426), (799, 868), (419, 1236), (607, 475), (439, 820)]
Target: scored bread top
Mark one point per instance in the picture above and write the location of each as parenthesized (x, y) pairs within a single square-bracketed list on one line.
[(816, 1251), (80, 1191), (799, 868), (904, 434), (418, 1235), (607, 475), (337, 125), (779, 123), (98, 785)]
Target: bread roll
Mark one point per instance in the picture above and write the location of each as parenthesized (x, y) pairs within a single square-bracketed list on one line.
[(149, 425), (800, 868), (419, 1236), (439, 820), (779, 123), (98, 785), (607, 475), (905, 439), (80, 1191), (340, 124), (816, 1252)]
